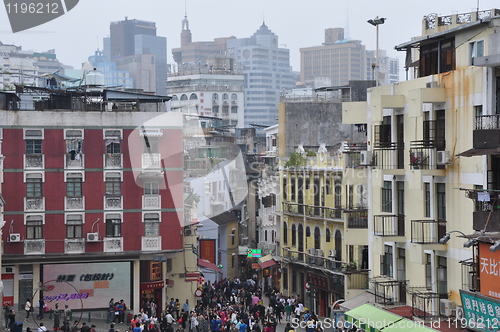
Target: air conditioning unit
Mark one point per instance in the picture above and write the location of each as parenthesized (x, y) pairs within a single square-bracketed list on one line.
[(15, 237), (8, 269), (332, 253), (365, 158), (319, 252), (443, 157), (312, 259), (433, 84), (92, 237), (446, 307), (188, 232)]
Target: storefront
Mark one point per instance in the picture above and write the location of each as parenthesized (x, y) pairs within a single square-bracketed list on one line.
[(319, 294), (152, 283)]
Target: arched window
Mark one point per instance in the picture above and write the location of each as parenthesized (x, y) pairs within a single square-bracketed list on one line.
[(300, 232), (308, 231), (338, 245), (225, 96), (265, 235), (193, 96), (174, 97), (234, 96), (328, 235), (294, 236), (285, 233), (317, 241), (215, 96), (184, 97)]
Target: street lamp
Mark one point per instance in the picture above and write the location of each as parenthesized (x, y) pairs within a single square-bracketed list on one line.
[(376, 22), (471, 241)]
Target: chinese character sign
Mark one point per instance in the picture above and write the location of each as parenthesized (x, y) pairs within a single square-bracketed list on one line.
[(480, 312), (489, 271)]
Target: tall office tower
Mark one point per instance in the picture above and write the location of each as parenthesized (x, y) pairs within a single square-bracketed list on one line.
[(267, 72), (137, 37), (388, 67), (339, 59)]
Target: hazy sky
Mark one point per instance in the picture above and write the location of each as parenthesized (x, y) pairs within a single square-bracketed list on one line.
[(78, 33)]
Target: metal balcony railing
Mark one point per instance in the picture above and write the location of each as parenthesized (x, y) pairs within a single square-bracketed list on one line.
[(312, 210), (388, 155), (357, 219), (427, 231), (74, 246), (389, 225), (487, 122), (313, 260), (389, 291)]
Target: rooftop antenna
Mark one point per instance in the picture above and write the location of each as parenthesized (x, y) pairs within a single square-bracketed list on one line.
[(346, 31)]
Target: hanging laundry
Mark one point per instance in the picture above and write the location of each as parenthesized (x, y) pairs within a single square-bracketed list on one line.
[(483, 196)]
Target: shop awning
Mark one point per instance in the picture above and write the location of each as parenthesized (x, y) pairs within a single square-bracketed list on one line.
[(208, 265), (479, 152), (356, 301), (268, 263), (265, 258), (369, 315)]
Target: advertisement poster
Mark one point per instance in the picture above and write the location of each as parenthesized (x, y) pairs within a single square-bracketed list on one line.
[(90, 285)]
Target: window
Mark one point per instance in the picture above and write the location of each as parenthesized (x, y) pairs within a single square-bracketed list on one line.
[(74, 226), (34, 226), (476, 49), (193, 96), (285, 278), (184, 97), (33, 185), (284, 190), (294, 236), (234, 109), (328, 235), (151, 188), (308, 231), (441, 201), (113, 225), (215, 96), (225, 96), (233, 235), (293, 190), (386, 262), (285, 233), (265, 235), (33, 146), (234, 96), (427, 199), (317, 238), (328, 190), (401, 196), (74, 185), (428, 271), (151, 224), (113, 184), (113, 146), (387, 197)]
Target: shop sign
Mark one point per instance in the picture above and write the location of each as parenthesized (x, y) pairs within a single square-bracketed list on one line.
[(255, 266), (481, 313), (152, 285), (318, 281), (207, 250), (489, 271)]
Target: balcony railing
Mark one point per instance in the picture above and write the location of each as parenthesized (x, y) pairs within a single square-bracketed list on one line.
[(151, 160), (425, 303), (352, 154), (357, 219), (33, 160), (113, 160), (484, 122), (151, 243), (389, 225), (313, 260), (73, 163), (469, 275), (388, 155), (113, 202), (34, 247), (312, 210), (74, 246), (74, 203), (34, 204), (427, 231), (389, 291), (151, 202), (486, 216), (357, 279), (113, 244)]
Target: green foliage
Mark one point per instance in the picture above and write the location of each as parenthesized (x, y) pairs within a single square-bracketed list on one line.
[(296, 160), (310, 153)]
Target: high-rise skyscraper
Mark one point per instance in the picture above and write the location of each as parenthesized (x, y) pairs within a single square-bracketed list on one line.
[(136, 37), (267, 72)]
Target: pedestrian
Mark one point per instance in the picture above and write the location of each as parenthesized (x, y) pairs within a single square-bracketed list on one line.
[(27, 308), (137, 327), (85, 327), (288, 327), (75, 327), (41, 308), (42, 328), (6, 312), (186, 306), (112, 328), (177, 308), (111, 310)]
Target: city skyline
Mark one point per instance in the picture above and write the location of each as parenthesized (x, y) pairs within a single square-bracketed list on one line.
[(89, 22)]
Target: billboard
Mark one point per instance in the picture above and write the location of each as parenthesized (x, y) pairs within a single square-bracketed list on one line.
[(86, 285), (207, 250), (489, 271)]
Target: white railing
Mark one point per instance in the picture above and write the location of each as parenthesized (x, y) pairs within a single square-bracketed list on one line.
[(151, 243), (34, 203), (151, 160), (113, 202), (73, 163), (33, 160), (74, 246), (151, 201), (74, 203), (113, 244), (34, 247), (113, 160)]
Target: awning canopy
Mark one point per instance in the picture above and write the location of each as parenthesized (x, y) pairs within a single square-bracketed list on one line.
[(268, 263), (479, 152), (363, 298), (208, 265), (265, 258)]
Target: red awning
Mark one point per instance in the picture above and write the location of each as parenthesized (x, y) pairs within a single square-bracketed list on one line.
[(268, 263), (208, 265)]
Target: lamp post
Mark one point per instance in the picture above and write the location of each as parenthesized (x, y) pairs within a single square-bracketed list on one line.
[(376, 22), (471, 241)]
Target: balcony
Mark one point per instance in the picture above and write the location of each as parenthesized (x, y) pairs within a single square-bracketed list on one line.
[(389, 291), (74, 203), (486, 134), (389, 226), (388, 155), (151, 160), (357, 219), (73, 163), (113, 244), (427, 231), (313, 259), (34, 247), (151, 243), (74, 246), (312, 210), (113, 160), (151, 202), (34, 204), (352, 155), (357, 279), (486, 216), (113, 202), (425, 302), (34, 161)]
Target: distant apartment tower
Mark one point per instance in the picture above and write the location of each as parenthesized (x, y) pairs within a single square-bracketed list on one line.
[(137, 37), (268, 74), (198, 52), (340, 59), (113, 77), (388, 68)]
